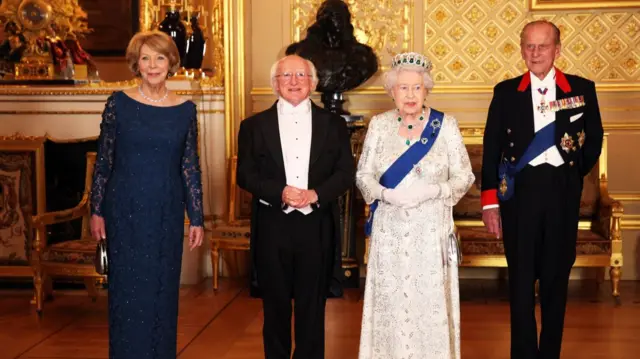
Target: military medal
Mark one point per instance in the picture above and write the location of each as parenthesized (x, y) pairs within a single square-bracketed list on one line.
[(503, 186), (543, 106), (566, 142), (567, 103), (581, 137)]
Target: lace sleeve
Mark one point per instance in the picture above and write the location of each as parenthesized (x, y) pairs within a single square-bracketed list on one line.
[(366, 180), (105, 155), (461, 176), (191, 173)]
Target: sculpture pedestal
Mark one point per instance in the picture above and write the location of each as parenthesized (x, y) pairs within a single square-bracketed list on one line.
[(348, 212)]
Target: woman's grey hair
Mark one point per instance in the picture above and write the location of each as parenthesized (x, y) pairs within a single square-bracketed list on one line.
[(274, 69), (390, 78)]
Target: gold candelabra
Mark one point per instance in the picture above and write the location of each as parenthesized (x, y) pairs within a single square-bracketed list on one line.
[(153, 11)]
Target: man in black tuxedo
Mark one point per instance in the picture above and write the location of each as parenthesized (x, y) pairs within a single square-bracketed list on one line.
[(531, 190), (295, 159)]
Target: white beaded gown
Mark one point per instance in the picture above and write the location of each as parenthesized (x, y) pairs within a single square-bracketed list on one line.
[(411, 302)]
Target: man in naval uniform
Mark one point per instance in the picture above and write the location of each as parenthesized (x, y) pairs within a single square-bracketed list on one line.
[(543, 135)]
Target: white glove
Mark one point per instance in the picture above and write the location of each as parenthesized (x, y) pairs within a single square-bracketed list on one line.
[(422, 192), (411, 196), (396, 197)]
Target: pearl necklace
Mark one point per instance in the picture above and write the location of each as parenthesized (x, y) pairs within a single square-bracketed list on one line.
[(166, 93), (409, 127)]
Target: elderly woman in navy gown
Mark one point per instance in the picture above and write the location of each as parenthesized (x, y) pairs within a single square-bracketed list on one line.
[(147, 171)]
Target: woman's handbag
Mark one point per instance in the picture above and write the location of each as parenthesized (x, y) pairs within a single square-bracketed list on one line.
[(101, 260), (455, 252), (452, 243)]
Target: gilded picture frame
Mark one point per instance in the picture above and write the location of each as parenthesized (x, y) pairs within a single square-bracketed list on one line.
[(113, 23), (581, 4)]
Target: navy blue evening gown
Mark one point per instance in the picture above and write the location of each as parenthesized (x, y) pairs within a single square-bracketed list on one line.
[(147, 171)]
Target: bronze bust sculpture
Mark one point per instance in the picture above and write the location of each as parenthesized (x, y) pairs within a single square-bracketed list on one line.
[(342, 62)]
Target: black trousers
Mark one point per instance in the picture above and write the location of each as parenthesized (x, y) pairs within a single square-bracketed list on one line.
[(292, 252), (540, 226)]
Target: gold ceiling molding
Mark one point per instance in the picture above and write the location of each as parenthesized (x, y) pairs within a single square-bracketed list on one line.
[(81, 90), (18, 136), (454, 89), (582, 4), (476, 128), (477, 42), (81, 112), (70, 140), (49, 112), (630, 221), (626, 196), (627, 128), (386, 26)]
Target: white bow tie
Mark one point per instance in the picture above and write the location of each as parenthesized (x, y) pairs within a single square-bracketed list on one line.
[(298, 110)]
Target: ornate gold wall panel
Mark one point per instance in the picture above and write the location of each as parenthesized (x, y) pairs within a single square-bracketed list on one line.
[(385, 25), (581, 4), (477, 42)]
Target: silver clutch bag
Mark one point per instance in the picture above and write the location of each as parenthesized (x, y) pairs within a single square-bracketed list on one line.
[(455, 252), (101, 259), (452, 246)]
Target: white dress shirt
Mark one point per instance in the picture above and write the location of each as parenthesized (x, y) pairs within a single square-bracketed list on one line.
[(551, 155), (294, 123)]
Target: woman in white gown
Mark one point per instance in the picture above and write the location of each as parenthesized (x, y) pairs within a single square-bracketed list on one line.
[(413, 169)]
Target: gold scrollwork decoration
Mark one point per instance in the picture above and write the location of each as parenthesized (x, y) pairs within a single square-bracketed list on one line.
[(477, 42), (583, 4), (18, 136), (47, 112), (81, 90), (386, 28), (217, 28)]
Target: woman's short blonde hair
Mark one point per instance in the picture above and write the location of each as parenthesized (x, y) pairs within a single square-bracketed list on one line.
[(158, 41)]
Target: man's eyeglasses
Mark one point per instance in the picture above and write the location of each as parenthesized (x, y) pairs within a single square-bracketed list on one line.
[(287, 76)]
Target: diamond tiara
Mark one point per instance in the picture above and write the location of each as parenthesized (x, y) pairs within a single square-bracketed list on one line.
[(411, 58)]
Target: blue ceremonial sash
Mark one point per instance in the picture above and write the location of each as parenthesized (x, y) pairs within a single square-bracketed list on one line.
[(407, 161), (506, 171)]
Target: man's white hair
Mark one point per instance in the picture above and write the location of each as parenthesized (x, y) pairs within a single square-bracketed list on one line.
[(274, 70)]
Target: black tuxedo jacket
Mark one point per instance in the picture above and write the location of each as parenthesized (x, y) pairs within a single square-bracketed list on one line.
[(510, 128), (261, 172)]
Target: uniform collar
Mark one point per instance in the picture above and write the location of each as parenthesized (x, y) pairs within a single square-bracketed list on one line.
[(548, 82), (561, 81)]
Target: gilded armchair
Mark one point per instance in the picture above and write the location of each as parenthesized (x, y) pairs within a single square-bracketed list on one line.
[(72, 258), (22, 194), (231, 234), (599, 242)]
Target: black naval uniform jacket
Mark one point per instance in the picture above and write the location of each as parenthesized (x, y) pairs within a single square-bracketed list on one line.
[(510, 128)]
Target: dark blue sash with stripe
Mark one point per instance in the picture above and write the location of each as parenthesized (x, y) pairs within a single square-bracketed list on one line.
[(407, 161), (506, 171)]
